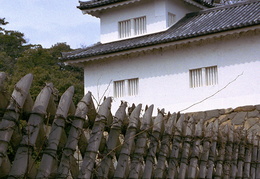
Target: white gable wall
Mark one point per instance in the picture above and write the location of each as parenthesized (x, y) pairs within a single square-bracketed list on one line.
[(164, 76), (156, 16)]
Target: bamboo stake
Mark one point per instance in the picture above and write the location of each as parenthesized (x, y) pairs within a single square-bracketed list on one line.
[(221, 152), (48, 166), (23, 161), (228, 153), (9, 122), (254, 157), (192, 170), (95, 139), (112, 141), (241, 154), (235, 153), (186, 148), (248, 155), (213, 147), (258, 159), (122, 165), (154, 142), (140, 147), (174, 157), (83, 109)]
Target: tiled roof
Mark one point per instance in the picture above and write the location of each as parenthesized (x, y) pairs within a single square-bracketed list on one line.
[(97, 3), (195, 24)]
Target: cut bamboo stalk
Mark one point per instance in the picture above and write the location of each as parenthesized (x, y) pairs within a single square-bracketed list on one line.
[(213, 147), (192, 170), (112, 141), (175, 153), (80, 117), (257, 174), (154, 142), (9, 122), (221, 152), (254, 157), (23, 162), (186, 148), (48, 166), (95, 139), (235, 153), (241, 154), (228, 153), (248, 155), (124, 157), (141, 145)]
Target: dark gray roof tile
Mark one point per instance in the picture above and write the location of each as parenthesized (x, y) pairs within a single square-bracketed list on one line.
[(194, 24)]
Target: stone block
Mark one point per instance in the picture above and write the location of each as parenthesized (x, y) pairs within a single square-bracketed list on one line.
[(212, 113), (229, 110), (251, 122), (245, 108), (254, 113), (199, 115), (239, 118)]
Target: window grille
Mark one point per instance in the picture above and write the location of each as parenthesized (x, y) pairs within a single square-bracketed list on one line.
[(119, 88), (211, 75), (140, 25), (124, 29), (196, 78), (171, 19), (133, 86)]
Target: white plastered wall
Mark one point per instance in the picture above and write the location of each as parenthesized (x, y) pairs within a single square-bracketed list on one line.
[(164, 76)]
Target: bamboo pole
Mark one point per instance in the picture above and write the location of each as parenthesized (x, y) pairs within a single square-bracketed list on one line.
[(241, 154), (86, 170), (221, 152), (123, 160), (258, 158), (235, 153), (154, 142), (248, 155), (213, 148), (228, 153), (192, 170), (23, 162), (176, 148), (186, 148), (112, 142), (9, 122), (48, 166), (83, 109), (254, 156), (141, 145)]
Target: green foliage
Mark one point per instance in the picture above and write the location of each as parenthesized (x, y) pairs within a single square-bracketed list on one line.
[(18, 59)]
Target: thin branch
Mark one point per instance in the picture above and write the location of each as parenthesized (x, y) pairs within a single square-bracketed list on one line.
[(213, 93)]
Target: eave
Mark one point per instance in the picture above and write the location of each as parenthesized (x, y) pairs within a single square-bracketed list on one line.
[(176, 44)]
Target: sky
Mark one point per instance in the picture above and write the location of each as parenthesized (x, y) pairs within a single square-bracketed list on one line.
[(47, 22)]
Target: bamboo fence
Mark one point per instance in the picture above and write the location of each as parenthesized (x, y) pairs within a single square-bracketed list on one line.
[(39, 139)]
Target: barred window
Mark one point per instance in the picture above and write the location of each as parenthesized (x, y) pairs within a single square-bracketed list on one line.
[(119, 88), (205, 76), (196, 78), (171, 19), (133, 86), (140, 25), (211, 75), (124, 28)]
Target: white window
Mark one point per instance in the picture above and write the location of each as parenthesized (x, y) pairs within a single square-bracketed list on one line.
[(119, 88), (203, 76), (171, 19), (136, 26), (211, 75), (195, 78), (124, 28), (133, 86), (140, 25)]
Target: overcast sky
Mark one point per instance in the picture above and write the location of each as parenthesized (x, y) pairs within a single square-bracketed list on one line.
[(48, 22)]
